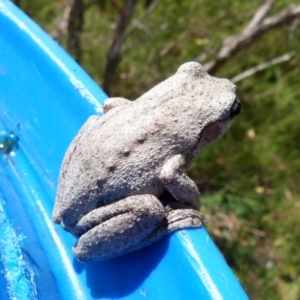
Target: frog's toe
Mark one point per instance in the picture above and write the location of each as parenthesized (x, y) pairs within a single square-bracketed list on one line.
[(184, 218)]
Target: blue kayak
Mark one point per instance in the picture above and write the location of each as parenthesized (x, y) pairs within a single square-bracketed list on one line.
[(45, 97)]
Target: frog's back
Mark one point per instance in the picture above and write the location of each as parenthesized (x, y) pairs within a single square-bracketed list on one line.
[(116, 157)]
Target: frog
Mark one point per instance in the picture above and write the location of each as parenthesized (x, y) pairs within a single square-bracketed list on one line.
[(123, 183)]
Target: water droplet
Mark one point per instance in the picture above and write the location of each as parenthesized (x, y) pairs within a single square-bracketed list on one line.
[(8, 142)]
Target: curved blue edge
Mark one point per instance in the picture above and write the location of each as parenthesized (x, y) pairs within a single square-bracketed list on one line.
[(45, 98)]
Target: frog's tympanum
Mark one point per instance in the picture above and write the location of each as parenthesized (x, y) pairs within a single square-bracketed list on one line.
[(122, 183)]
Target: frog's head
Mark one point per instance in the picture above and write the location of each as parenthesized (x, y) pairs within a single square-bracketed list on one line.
[(214, 101)]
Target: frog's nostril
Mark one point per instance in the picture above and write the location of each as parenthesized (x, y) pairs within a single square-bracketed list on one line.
[(235, 108)]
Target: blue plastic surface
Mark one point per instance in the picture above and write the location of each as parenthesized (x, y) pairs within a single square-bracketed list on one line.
[(45, 97)]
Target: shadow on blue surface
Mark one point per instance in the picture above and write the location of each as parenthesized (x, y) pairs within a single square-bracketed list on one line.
[(48, 97), (135, 270)]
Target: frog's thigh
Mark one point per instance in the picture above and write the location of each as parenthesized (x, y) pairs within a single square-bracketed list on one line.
[(117, 227)]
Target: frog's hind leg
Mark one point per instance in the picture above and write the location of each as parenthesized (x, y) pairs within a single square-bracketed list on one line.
[(177, 216), (115, 229)]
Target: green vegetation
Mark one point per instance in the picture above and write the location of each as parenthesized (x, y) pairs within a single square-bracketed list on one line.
[(249, 179)]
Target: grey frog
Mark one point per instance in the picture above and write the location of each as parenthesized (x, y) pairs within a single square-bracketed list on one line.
[(122, 184)]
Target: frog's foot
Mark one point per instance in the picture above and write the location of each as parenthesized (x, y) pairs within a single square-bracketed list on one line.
[(114, 229), (177, 211), (178, 216)]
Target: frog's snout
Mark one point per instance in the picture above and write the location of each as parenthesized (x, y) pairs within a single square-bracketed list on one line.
[(235, 108)]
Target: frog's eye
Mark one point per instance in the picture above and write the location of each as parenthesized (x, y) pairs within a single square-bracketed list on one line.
[(235, 108)]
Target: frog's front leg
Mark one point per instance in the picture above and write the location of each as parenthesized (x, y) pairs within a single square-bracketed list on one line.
[(114, 229), (178, 183)]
